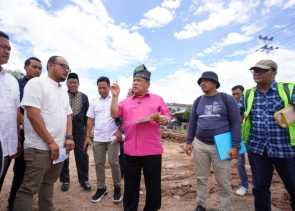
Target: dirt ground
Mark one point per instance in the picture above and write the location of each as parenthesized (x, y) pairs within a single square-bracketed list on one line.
[(178, 188)]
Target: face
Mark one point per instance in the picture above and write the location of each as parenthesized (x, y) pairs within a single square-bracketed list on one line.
[(60, 69), (34, 69), (103, 89), (207, 85), (73, 85), (237, 94), (263, 76), (4, 50), (140, 86)]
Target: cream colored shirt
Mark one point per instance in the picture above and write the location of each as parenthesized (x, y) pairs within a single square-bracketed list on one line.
[(53, 102)]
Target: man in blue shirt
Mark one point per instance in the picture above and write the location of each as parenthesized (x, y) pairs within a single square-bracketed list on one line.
[(268, 144), (212, 114)]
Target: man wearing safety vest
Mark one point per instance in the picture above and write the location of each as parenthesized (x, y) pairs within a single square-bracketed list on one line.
[(269, 145)]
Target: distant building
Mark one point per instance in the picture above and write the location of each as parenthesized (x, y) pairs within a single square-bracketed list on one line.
[(178, 108)]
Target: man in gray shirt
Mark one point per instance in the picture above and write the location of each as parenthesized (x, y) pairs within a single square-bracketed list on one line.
[(213, 113)]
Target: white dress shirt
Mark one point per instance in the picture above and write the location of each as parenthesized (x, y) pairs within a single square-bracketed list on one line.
[(9, 103), (104, 125), (53, 102)]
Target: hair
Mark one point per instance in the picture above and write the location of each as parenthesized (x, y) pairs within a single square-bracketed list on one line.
[(4, 35), (51, 60), (240, 87), (28, 61), (103, 79)]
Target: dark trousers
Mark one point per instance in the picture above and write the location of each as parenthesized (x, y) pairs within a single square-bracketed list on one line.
[(18, 173), (122, 159), (262, 170), (151, 166), (82, 162), (7, 161)]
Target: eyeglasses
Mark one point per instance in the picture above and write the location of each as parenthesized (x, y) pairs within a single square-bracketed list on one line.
[(64, 66), (259, 71)]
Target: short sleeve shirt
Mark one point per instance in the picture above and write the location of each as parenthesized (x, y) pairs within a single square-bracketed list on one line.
[(53, 102), (104, 125)]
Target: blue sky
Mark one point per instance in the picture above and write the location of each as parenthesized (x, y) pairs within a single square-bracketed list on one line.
[(176, 39)]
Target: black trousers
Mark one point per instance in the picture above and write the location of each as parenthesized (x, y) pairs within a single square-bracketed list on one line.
[(262, 168), (122, 159), (82, 162), (151, 166), (7, 161)]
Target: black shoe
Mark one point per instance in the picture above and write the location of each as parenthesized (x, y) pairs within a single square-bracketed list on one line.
[(117, 195), (86, 186), (100, 193), (200, 208), (65, 186)]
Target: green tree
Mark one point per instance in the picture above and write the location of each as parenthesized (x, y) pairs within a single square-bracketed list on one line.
[(186, 115)]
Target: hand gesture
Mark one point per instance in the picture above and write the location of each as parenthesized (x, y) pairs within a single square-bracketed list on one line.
[(161, 119), (115, 89)]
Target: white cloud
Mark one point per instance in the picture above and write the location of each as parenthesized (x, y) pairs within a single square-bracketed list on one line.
[(271, 3), (251, 29), (197, 64), (82, 31), (290, 3), (159, 16), (279, 3), (219, 16), (181, 86), (231, 39)]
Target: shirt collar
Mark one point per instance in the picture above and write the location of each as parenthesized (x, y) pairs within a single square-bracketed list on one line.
[(147, 94), (273, 87), (107, 97), (73, 93), (53, 82)]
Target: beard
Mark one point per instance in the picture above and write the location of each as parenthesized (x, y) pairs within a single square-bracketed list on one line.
[(63, 77)]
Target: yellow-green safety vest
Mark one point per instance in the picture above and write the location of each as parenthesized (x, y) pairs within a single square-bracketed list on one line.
[(249, 99)]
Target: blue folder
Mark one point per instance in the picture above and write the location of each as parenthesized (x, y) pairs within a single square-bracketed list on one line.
[(223, 143)]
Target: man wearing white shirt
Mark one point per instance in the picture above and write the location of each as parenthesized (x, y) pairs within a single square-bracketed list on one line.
[(9, 107), (99, 116), (48, 130)]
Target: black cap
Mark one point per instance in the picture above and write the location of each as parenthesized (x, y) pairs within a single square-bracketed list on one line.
[(209, 75), (142, 72), (73, 76)]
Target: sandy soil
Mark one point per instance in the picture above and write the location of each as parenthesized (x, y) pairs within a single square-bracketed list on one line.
[(178, 188)]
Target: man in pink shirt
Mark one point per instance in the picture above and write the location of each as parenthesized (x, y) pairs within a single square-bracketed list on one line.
[(141, 114)]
